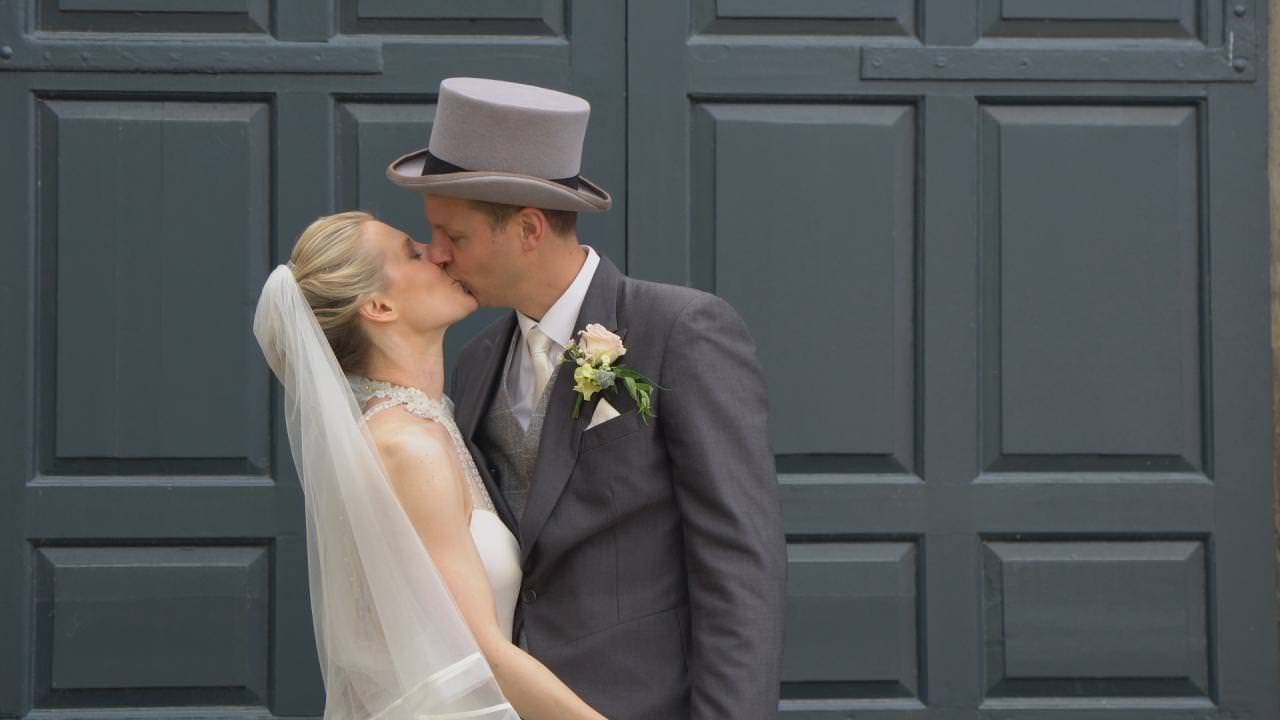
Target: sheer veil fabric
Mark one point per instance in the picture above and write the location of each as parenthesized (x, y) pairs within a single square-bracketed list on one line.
[(391, 642)]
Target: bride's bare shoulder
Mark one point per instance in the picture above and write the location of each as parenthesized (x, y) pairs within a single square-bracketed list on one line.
[(405, 439), (423, 469)]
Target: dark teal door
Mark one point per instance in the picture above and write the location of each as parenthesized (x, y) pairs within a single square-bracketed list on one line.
[(1006, 262), (1007, 265), (159, 158)]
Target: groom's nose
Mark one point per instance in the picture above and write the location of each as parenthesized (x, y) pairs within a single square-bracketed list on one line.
[(437, 254)]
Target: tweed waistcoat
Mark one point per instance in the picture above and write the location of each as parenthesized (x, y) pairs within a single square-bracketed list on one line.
[(511, 449)]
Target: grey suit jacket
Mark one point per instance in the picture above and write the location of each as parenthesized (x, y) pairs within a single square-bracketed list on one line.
[(653, 554)]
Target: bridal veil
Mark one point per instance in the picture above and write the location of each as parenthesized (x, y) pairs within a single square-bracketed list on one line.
[(391, 642)]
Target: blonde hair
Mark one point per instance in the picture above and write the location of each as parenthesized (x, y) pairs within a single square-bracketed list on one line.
[(337, 275)]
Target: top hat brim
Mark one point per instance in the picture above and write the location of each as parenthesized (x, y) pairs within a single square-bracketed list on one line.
[(498, 187)]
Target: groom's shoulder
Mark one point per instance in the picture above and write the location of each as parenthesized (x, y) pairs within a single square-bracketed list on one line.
[(661, 299), (489, 337), (664, 301)]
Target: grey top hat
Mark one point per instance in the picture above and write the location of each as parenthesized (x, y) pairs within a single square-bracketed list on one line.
[(504, 142)]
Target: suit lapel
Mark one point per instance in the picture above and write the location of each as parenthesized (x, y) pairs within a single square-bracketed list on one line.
[(477, 397), (561, 433)]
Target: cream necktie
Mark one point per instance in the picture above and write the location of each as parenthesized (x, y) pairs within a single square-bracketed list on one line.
[(539, 344)]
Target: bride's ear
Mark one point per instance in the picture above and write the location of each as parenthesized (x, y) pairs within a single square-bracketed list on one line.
[(378, 309)]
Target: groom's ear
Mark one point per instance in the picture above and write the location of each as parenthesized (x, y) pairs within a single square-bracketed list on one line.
[(377, 310), (533, 227)]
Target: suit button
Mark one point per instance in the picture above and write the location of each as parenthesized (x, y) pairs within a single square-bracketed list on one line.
[(529, 595), (493, 470)]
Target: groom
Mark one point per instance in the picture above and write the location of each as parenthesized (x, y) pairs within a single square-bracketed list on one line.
[(652, 548)]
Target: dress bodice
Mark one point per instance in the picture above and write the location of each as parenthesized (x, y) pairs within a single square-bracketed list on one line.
[(498, 549)]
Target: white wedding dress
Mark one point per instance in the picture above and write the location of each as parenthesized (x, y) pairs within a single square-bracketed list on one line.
[(390, 639), (499, 550)]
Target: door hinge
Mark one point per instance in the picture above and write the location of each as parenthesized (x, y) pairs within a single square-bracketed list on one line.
[(1241, 42)]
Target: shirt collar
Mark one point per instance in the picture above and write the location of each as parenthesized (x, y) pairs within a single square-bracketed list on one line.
[(559, 319)]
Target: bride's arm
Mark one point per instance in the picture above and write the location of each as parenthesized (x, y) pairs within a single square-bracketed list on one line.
[(428, 482)]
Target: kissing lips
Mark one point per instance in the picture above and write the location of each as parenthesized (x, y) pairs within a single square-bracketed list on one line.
[(457, 282)]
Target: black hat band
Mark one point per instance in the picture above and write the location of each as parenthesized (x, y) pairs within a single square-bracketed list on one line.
[(436, 166)]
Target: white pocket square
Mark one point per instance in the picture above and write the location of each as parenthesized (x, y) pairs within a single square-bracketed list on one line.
[(604, 411)]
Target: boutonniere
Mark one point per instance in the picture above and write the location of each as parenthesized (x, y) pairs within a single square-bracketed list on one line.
[(597, 353)]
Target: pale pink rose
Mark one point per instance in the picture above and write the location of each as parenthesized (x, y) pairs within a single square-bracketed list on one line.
[(597, 343)]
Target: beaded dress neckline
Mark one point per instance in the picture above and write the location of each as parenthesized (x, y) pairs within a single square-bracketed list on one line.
[(419, 404)]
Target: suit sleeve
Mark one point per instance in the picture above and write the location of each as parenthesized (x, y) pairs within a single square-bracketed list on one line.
[(714, 417), (454, 382), (466, 358)]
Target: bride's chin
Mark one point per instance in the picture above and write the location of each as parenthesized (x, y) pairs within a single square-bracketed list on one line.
[(466, 307)]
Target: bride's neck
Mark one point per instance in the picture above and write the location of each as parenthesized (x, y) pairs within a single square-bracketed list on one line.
[(412, 360)]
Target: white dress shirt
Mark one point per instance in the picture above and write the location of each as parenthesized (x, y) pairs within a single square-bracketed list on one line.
[(557, 323)]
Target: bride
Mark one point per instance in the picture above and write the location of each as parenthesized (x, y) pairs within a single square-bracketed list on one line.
[(413, 576)]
